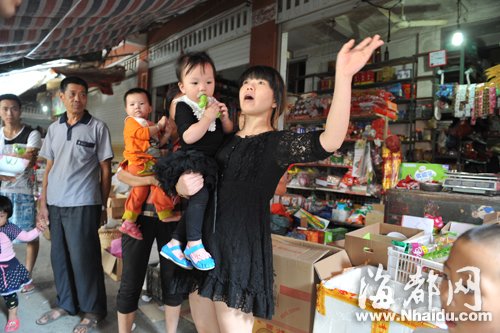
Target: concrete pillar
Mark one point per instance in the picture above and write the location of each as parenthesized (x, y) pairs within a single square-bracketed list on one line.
[(264, 35)]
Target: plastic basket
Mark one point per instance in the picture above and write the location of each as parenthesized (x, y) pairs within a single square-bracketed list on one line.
[(401, 265)]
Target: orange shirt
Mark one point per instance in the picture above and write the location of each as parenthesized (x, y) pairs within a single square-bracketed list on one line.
[(136, 138)]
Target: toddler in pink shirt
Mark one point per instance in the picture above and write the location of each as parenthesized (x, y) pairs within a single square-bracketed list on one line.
[(13, 275)]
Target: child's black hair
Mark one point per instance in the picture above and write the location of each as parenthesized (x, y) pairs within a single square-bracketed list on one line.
[(190, 60), (6, 205), (276, 83), (138, 91), (73, 80), (485, 235)]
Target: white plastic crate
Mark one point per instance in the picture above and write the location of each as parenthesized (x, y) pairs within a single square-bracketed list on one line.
[(401, 265)]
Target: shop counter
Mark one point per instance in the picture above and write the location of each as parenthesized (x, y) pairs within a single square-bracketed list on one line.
[(451, 206)]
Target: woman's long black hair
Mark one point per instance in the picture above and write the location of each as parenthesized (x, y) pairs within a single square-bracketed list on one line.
[(276, 82)]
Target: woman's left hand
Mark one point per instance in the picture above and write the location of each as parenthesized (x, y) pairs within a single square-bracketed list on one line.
[(351, 59)]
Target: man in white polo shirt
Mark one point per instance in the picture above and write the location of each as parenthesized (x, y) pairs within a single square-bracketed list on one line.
[(76, 183)]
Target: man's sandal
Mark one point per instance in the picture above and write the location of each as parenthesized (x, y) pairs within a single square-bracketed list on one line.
[(86, 325), (168, 253), (202, 265), (51, 316)]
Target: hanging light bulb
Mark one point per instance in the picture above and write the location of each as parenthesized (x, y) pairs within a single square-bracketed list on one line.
[(458, 37)]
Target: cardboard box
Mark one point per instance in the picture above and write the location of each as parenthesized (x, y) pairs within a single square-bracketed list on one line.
[(112, 265), (116, 202), (298, 266), (416, 222), (116, 207), (424, 172), (337, 305), (492, 218), (115, 212), (376, 215), (373, 251), (338, 243), (457, 227)]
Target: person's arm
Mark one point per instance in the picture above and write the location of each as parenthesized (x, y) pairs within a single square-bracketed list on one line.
[(350, 60), (189, 184), (28, 236), (105, 186), (227, 123), (134, 129), (197, 130), (133, 180), (33, 147), (167, 133), (43, 212), (161, 126), (105, 179)]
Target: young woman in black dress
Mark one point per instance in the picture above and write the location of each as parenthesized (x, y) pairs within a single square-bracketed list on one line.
[(251, 162)]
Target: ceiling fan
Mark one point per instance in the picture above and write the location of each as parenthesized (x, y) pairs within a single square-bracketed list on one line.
[(401, 22)]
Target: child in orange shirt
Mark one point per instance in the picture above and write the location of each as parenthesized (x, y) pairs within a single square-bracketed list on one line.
[(142, 141)]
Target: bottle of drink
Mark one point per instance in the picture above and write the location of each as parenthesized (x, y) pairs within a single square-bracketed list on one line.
[(386, 53), (377, 56)]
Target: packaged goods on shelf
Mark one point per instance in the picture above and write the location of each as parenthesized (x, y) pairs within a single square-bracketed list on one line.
[(424, 172), (310, 106)]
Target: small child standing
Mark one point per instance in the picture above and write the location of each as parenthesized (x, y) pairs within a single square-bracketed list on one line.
[(142, 139), (14, 274), (201, 123)]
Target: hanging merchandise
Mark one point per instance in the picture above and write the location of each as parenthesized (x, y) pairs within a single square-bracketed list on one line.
[(359, 162), (392, 163), (493, 75), (470, 100), (460, 101)]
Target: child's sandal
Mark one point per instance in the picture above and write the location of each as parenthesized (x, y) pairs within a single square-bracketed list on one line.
[(202, 265), (12, 325), (131, 229)]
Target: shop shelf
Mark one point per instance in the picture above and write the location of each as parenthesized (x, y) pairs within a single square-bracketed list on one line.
[(322, 165), (306, 120), (326, 189), (381, 84)]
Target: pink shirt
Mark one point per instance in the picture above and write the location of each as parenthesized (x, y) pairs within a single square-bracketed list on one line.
[(6, 248)]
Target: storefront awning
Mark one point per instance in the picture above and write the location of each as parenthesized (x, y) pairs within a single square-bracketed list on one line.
[(48, 29)]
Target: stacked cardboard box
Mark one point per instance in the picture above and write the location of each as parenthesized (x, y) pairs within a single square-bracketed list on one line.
[(112, 265), (298, 267), (116, 207)]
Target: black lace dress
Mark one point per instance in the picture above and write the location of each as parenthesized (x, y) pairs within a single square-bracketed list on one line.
[(239, 238)]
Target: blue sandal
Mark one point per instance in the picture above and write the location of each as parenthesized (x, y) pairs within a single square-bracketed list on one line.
[(168, 253), (202, 265)]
